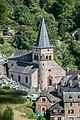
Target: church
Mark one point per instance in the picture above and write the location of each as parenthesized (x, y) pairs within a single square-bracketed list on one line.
[(36, 68)]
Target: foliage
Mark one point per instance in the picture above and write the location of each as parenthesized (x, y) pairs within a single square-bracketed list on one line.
[(6, 87), (1, 40), (8, 114), (12, 99), (31, 115), (13, 92), (41, 118)]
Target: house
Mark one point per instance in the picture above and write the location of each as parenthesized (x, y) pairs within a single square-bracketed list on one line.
[(57, 111), (69, 83), (72, 105), (37, 66), (45, 101)]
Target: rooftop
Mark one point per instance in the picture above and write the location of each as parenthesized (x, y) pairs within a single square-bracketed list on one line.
[(43, 39)]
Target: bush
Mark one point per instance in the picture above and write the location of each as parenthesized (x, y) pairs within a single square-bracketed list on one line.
[(12, 99), (8, 114), (6, 87), (31, 115), (13, 92)]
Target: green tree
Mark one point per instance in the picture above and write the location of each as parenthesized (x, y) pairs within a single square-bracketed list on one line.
[(1, 40), (8, 114), (64, 13)]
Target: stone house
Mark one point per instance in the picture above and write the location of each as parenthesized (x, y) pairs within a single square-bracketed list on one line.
[(37, 66), (68, 108), (57, 111), (45, 101), (69, 83), (72, 105)]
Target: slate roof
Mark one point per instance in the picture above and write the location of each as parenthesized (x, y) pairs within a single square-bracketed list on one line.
[(57, 106), (43, 39), (24, 68), (50, 97), (18, 53), (71, 97)]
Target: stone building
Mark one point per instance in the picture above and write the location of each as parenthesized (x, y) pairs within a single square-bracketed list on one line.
[(72, 105), (69, 83), (37, 67), (45, 101)]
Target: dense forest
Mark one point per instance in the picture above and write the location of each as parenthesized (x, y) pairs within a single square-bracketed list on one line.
[(62, 17)]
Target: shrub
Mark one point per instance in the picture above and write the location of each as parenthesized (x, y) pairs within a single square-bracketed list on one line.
[(31, 115), (6, 87), (13, 92), (12, 99), (8, 114)]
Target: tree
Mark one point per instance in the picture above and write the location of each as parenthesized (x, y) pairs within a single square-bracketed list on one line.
[(8, 114), (64, 13), (1, 40)]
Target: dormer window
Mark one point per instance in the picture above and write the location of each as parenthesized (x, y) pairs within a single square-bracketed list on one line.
[(78, 96), (43, 99), (70, 97)]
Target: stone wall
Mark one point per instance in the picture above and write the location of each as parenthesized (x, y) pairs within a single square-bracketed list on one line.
[(75, 106)]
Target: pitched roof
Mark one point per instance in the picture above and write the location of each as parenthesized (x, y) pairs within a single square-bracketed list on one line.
[(24, 68), (43, 39), (50, 97), (18, 53), (71, 96), (57, 106)]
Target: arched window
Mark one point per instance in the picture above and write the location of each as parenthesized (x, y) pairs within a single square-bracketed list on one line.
[(26, 79), (18, 78), (43, 109), (34, 57), (37, 57), (50, 57), (47, 57), (50, 82)]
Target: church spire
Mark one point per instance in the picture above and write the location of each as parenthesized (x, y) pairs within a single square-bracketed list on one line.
[(43, 39)]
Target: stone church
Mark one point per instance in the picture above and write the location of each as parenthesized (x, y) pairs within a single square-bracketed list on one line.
[(37, 67)]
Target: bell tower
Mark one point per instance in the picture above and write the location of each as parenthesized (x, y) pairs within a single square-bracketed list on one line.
[(42, 53), (42, 47)]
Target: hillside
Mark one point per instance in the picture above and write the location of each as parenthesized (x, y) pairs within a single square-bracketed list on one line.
[(62, 18)]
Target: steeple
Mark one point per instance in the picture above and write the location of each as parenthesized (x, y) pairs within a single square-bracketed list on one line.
[(43, 39)]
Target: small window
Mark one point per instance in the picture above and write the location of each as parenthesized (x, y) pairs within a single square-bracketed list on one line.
[(78, 96), (18, 78), (71, 118), (36, 49), (26, 79), (37, 57), (11, 65), (50, 57), (43, 64), (43, 109), (49, 70), (70, 97), (34, 57), (70, 104), (43, 99), (48, 50), (70, 111), (47, 57), (49, 82), (59, 118)]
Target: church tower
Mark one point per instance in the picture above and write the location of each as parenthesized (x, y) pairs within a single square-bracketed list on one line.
[(43, 55)]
